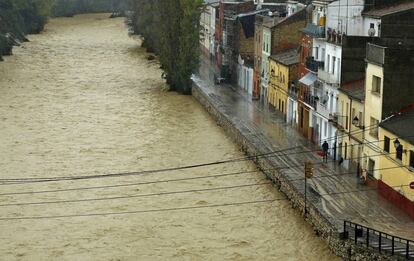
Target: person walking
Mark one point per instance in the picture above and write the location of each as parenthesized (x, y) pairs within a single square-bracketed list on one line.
[(325, 148)]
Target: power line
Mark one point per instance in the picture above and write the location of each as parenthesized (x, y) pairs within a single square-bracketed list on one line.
[(343, 174), (53, 179), (168, 169), (165, 193), (134, 196), (34, 179), (142, 211), (170, 209), (128, 184)]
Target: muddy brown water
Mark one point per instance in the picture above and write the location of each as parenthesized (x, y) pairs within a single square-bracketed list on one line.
[(82, 99)]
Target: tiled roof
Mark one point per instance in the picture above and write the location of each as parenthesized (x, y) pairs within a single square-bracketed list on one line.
[(288, 57), (401, 125), (355, 89)]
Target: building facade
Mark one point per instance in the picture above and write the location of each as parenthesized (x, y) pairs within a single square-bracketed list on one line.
[(283, 69)]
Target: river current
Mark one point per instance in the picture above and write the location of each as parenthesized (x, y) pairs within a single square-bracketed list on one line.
[(82, 99)]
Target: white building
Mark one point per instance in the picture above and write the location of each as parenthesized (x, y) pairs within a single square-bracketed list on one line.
[(266, 50), (245, 76), (208, 24), (343, 17)]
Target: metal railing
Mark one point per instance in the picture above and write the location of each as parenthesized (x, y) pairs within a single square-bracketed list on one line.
[(379, 240), (293, 92), (313, 65), (314, 30), (309, 99), (328, 77)]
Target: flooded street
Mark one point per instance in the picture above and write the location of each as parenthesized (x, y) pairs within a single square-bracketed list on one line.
[(82, 99)]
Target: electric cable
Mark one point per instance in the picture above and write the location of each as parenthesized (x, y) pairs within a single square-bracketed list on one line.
[(134, 196), (142, 211)]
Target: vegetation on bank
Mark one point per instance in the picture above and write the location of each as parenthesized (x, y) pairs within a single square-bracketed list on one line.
[(72, 7), (172, 30), (21, 17)]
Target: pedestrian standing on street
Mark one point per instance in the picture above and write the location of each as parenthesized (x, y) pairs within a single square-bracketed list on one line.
[(325, 148)]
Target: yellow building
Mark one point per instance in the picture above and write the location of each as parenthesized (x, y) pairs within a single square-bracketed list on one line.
[(396, 167), (350, 121), (283, 68), (372, 117)]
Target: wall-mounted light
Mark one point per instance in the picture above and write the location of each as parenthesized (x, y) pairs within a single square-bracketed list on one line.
[(355, 121), (397, 144)]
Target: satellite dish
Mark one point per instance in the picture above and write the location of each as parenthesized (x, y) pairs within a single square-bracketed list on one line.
[(309, 9), (371, 32)]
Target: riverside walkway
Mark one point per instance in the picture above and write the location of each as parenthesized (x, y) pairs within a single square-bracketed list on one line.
[(267, 130)]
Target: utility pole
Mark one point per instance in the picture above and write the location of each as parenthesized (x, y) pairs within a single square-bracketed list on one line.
[(308, 174)]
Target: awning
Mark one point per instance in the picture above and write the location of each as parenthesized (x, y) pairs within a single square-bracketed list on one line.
[(308, 79)]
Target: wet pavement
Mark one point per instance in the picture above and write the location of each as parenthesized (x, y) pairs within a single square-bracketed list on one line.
[(334, 190)]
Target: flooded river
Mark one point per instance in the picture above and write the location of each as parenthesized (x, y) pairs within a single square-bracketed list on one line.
[(82, 99)]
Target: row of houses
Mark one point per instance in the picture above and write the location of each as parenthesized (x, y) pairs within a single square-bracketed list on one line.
[(338, 71)]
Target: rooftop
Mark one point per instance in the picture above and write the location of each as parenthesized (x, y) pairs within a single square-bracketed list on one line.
[(391, 9), (401, 125), (354, 89), (247, 21), (287, 58)]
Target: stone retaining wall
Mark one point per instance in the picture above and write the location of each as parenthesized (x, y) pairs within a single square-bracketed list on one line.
[(321, 225)]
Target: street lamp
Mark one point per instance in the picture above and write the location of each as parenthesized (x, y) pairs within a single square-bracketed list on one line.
[(397, 144)]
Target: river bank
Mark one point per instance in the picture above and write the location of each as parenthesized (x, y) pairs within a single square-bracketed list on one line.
[(256, 132)]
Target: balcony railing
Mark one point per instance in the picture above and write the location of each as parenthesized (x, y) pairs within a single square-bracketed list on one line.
[(375, 53), (309, 99), (328, 77), (293, 92), (313, 65), (334, 36), (338, 121), (314, 30)]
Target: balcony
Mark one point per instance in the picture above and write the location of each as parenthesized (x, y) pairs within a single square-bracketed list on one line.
[(309, 99), (313, 65), (375, 53), (293, 92), (328, 77), (314, 30), (338, 121), (334, 36)]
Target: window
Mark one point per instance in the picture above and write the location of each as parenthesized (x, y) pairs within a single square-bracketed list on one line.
[(345, 117), (361, 123), (323, 54), (376, 84), (386, 144), (327, 63), (374, 127), (371, 167), (346, 150), (333, 64), (338, 68), (411, 159), (399, 152), (371, 25), (316, 53)]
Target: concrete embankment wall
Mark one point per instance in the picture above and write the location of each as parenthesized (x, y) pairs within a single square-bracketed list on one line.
[(251, 146)]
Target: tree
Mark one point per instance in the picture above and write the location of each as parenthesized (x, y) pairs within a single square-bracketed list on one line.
[(172, 29)]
